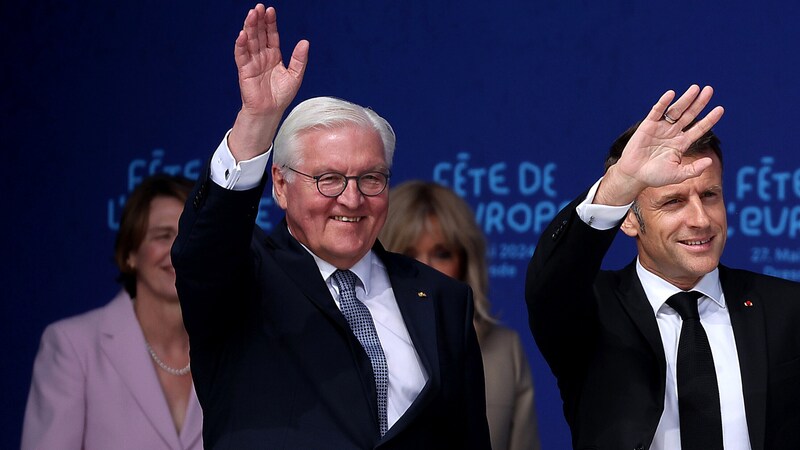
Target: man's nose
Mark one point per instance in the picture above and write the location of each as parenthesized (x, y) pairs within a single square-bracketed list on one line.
[(351, 196), (698, 216)]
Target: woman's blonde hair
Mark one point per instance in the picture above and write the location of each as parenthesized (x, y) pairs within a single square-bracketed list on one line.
[(412, 204)]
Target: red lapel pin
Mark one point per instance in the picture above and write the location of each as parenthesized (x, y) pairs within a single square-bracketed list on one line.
[(748, 303)]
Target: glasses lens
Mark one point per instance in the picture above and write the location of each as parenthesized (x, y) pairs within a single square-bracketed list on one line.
[(331, 184), (372, 183)]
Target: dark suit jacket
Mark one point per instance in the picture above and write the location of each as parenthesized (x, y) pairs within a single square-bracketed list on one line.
[(274, 361), (599, 335)]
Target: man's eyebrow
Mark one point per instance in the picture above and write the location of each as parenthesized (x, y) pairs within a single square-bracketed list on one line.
[(668, 196), (679, 194)]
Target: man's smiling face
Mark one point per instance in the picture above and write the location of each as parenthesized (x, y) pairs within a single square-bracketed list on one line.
[(684, 227), (340, 230)]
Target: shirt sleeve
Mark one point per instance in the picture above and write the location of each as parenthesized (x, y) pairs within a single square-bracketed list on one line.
[(241, 176), (600, 217)]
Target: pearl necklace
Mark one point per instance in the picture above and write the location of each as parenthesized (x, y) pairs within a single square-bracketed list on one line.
[(164, 366)]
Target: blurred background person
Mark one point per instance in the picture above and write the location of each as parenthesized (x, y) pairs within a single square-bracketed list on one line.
[(431, 223), (119, 376)]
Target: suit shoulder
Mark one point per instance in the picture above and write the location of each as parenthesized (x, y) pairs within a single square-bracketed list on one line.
[(86, 323), (83, 320), (780, 295), (427, 272), (396, 260), (402, 267), (610, 279), (758, 280)]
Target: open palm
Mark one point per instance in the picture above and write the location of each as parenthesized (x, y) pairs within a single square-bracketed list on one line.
[(266, 84), (654, 154)]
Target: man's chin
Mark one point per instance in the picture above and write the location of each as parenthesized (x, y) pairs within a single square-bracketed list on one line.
[(704, 267), (348, 256)]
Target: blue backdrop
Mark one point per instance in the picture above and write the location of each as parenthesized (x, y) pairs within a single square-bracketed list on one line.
[(512, 103)]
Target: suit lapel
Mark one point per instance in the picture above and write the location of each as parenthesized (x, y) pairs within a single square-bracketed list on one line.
[(419, 316), (746, 311), (634, 301), (420, 319), (748, 329), (123, 343), (192, 430), (299, 265), (418, 312)]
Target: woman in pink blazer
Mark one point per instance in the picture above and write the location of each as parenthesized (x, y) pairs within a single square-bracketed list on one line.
[(118, 376)]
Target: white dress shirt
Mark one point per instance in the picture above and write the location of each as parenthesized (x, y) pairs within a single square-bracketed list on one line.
[(407, 377), (716, 321), (406, 374)]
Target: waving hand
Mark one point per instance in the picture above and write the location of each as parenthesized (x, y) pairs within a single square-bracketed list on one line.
[(654, 154), (267, 86)]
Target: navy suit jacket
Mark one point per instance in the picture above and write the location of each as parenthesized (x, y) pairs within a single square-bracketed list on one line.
[(599, 335), (274, 361)]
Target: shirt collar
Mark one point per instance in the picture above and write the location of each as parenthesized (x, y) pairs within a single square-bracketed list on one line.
[(362, 269), (659, 290)]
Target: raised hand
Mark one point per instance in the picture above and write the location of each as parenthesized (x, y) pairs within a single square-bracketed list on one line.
[(267, 86), (654, 154)]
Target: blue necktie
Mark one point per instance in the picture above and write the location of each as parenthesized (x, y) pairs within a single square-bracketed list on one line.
[(698, 392), (360, 321)]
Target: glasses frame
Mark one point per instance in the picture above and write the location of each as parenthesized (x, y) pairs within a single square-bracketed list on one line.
[(347, 179)]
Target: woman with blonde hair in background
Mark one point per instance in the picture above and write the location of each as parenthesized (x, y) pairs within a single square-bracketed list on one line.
[(431, 223)]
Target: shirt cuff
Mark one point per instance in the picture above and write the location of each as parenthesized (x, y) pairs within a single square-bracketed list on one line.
[(237, 176), (600, 217)]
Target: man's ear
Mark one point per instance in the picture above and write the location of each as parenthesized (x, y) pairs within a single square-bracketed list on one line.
[(630, 225), (279, 186)]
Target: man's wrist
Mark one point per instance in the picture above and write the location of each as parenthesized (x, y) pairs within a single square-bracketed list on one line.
[(251, 135), (616, 189)]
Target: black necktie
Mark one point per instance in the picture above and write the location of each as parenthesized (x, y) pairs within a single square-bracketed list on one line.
[(698, 392)]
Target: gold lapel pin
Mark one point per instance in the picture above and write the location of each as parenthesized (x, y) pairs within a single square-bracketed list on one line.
[(422, 294)]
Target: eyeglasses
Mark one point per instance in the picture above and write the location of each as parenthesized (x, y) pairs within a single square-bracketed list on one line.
[(332, 184)]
